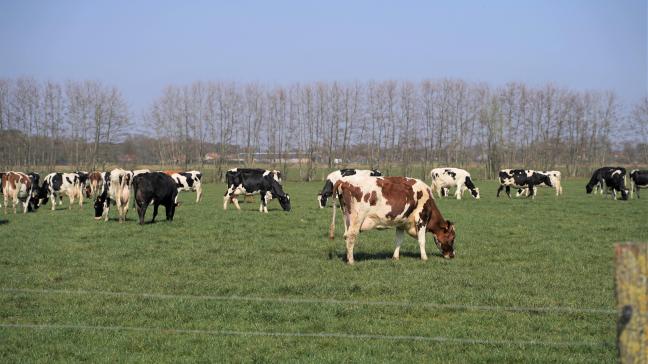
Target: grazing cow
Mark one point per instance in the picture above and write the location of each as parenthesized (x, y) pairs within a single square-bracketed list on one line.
[(116, 189), (95, 182), (597, 181), (445, 178), (252, 181), (554, 176), (17, 187), (156, 188), (404, 203), (614, 180), (57, 184), (638, 180), (333, 177), (189, 181), (521, 178)]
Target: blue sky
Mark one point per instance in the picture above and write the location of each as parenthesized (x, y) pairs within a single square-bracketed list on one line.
[(141, 46)]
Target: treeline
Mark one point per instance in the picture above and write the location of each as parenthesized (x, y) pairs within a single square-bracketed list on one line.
[(412, 126)]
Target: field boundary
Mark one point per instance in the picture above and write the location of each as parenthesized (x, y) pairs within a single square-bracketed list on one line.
[(290, 300), (334, 335)]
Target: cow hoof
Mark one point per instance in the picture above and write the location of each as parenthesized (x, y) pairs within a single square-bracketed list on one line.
[(97, 218), (395, 258)]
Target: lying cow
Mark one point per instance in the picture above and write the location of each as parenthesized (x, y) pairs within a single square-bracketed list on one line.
[(445, 178), (189, 181), (57, 184), (156, 188), (253, 181), (554, 176), (638, 180), (327, 190), (116, 189), (520, 179), (404, 203), (17, 187), (614, 180)]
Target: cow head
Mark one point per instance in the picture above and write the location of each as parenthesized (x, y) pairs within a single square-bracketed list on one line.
[(444, 238), (475, 193), (326, 192), (284, 201), (99, 206), (589, 188), (624, 194)]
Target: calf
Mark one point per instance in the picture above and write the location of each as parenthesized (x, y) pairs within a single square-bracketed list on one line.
[(189, 181), (445, 178), (116, 189), (554, 176), (638, 180), (404, 203), (17, 187), (252, 181), (157, 188), (615, 181), (521, 178), (57, 184), (327, 190)]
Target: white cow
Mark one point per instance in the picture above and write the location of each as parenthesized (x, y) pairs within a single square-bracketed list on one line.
[(554, 176), (116, 187), (57, 184), (445, 178), (189, 181)]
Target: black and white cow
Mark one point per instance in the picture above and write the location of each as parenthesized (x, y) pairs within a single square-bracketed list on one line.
[(521, 178), (445, 178), (154, 188), (614, 180), (327, 190), (57, 184), (252, 181), (189, 181), (638, 180), (556, 183), (597, 181), (115, 189)]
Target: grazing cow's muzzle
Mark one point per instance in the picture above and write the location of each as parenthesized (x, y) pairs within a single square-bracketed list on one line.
[(284, 201), (321, 200)]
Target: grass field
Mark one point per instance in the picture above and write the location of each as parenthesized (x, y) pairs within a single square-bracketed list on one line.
[(230, 286)]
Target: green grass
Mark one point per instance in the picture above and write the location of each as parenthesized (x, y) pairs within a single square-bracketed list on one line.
[(550, 252)]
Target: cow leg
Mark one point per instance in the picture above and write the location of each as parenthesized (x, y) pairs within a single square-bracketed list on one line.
[(155, 211), (350, 238), (141, 211), (264, 202), (81, 190), (508, 191), (53, 197), (198, 194), (170, 211), (501, 187), (459, 191), (71, 197), (531, 192), (421, 241), (398, 241)]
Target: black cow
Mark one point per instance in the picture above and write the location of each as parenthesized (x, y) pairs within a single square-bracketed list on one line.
[(614, 180), (521, 178), (156, 188), (35, 191), (597, 181), (638, 180), (327, 190), (254, 180)]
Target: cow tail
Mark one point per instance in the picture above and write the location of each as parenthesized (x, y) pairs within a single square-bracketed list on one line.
[(332, 227)]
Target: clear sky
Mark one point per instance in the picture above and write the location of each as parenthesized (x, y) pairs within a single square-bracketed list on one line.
[(141, 46)]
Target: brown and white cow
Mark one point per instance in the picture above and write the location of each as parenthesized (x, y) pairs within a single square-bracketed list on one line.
[(404, 203), (95, 182), (17, 187)]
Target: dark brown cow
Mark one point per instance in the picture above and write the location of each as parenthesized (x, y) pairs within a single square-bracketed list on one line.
[(404, 203)]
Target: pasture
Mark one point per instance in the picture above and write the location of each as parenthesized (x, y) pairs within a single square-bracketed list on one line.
[(231, 286)]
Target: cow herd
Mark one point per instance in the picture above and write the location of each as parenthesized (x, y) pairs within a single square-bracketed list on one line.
[(367, 199)]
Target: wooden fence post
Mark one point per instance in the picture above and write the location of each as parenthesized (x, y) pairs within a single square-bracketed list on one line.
[(631, 261)]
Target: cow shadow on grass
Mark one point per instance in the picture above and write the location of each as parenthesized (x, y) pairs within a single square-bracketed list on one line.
[(362, 256), (3, 222)]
